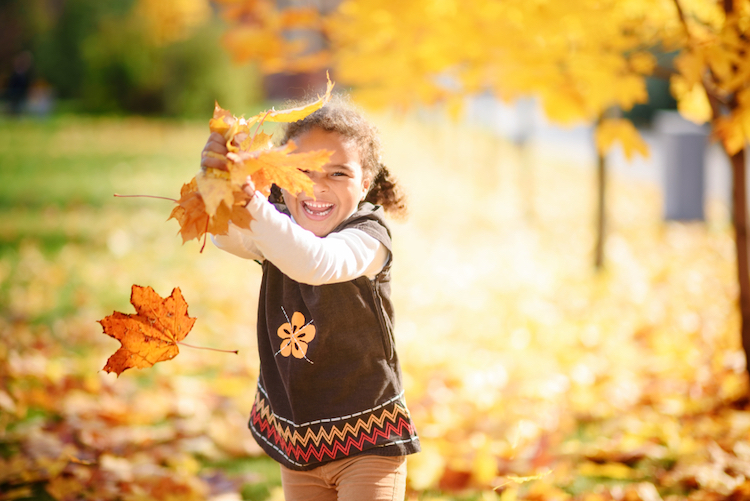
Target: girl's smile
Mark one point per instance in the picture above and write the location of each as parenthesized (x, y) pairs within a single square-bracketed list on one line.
[(317, 210), (338, 188)]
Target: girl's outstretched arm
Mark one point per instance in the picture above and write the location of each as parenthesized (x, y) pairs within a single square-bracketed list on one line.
[(301, 255), (238, 242)]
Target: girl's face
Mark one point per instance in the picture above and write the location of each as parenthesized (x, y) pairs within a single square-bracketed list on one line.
[(338, 188)]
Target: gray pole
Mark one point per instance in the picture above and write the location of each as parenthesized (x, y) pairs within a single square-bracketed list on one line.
[(683, 146)]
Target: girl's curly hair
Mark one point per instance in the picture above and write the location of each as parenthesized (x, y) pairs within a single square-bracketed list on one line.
[(341, 116)]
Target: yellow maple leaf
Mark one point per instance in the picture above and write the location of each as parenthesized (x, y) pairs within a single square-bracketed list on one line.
[(259, 141), (294, 114), (642, 62), (281, 167), (617, 129), (215, 188), (222, 120), (629, 90), (692, 102), (691, 65), (730, 131)]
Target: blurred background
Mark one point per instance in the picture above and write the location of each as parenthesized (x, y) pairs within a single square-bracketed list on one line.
[(567, 315)]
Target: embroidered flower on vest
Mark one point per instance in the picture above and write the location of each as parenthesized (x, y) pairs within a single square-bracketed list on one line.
[(295, 334)]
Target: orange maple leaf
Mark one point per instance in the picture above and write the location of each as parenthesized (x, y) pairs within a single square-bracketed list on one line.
[(281, 167), (194, 220), (151, 335)]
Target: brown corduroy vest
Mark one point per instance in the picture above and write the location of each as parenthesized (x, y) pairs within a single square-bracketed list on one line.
[(330, 381)]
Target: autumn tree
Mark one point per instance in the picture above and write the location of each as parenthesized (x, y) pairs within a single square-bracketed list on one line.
[(580, 59)]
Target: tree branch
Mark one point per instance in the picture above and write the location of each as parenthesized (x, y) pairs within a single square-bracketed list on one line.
[(683, 20), (662, 72)]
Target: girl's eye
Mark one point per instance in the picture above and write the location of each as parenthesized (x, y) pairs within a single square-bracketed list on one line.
[(338, 174)]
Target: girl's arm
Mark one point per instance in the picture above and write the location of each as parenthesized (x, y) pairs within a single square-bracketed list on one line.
[(299, 254), (239, 242)]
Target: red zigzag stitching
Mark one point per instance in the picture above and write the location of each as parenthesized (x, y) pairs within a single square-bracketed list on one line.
[(270, 432)]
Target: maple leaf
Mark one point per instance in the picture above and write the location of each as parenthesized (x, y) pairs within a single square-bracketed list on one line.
[(222, 120), (190, 212), (152, 333), (281, 167), (214, 188), (692, 101), (294, 114), (729, 130), (611, 130), (193, 217), (258, 141)]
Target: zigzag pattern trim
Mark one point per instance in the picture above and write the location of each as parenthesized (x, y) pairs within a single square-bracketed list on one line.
[(262, 413), (331, 420), (336, 442)]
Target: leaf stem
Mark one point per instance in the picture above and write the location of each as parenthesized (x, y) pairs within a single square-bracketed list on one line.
[(205, 235), (257, 129), (145, 196), (210, 349)]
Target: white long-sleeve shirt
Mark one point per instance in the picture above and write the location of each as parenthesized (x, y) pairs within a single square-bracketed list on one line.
[(299, 253)]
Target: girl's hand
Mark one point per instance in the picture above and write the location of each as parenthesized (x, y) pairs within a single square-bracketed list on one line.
[(249, 187), (216, 145)]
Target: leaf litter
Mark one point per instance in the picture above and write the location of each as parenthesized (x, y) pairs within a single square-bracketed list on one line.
[(625, 386)]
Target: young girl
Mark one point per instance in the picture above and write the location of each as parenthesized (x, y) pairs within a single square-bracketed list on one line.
[(329, 405)]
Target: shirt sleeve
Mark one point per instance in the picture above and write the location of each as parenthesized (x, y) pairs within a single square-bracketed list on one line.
[(300, 254), (238, 241)]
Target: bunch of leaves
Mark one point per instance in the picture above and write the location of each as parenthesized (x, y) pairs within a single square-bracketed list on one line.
[(215, 196)]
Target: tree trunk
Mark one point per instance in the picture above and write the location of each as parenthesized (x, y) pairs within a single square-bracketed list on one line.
[(739, 216), (601, 203), (601, 211)]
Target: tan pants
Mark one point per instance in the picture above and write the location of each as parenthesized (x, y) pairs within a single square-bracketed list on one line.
[(359, 478)]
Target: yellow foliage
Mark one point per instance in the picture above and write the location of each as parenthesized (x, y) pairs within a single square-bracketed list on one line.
[(691, 65), (258, 32), (174, 20), (642, 62), (611, 130), (578, 65), (580, 57), (692, 101), (729, 130)]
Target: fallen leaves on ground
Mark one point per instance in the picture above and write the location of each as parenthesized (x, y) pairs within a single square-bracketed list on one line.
[(528, 376)]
